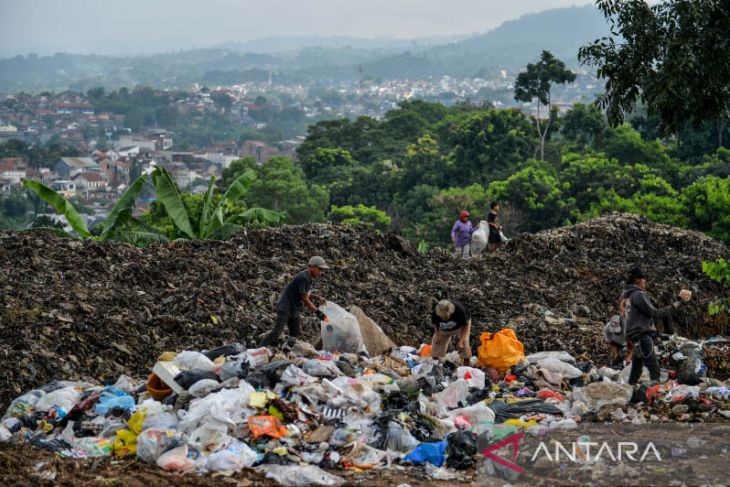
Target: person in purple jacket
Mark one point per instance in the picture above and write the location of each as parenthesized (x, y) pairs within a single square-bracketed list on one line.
[(461, 235)]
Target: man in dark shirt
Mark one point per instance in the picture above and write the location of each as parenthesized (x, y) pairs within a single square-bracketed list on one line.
[(449, 317), (296, 293), (495, 239)]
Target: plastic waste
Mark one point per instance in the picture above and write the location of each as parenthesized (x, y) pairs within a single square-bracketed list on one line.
[(432, 453), (480, 238), (534, 358), (398, 439), (500, 350), (226, 406), (5, 434), (234, 368), (224, 351), (91, 447), (504, 411), (209, 437), (460, 450), (152, 443), (300, 475), (265, 426), (23, 404), (474, 377), (189, 360), (109, 400), (65, 398), (321, 368), (479, 416), (177, 460), (203, 387), (341, 331), (454, 395), (294, 376), (233, 458), (366, 457), (126, 384), (375, 340), (188, 378), (559, 367), (597, 395)]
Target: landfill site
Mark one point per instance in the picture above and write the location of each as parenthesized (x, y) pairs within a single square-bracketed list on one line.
[(143, 366)]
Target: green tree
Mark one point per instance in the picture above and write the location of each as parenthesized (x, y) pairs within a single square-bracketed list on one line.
[(535, 191), (360, 215), (669, 56), (707, 203), (443, 210), (536, 83), (585, 125)]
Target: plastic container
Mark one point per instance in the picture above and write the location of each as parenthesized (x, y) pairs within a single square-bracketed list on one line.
[(157, 389)]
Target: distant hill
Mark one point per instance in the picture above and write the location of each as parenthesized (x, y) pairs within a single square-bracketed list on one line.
[(295, 59)]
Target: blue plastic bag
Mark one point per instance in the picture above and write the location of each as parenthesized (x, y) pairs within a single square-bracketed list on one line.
[(109, 401), (427, 453)]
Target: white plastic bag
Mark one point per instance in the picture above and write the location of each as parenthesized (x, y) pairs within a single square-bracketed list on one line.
[(479, 415), (534, 358), (454, 394), (300, 475), (162, 421), (294, 376), (476, 378), (5, 434), (341, 331), (560, 367), (152, 443), (480, 238), (233, 458), (65, 398), (176, 460), (227, 406), (203, 387), (189, 360), (398, 439), (209, 437)]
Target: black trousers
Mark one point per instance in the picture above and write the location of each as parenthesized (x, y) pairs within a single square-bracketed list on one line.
[(282, 319), (644, 355)]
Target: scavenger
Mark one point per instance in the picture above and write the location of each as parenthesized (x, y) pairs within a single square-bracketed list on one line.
[(461, 235), (296, 293), (616, 341), (637, 312), (449, 317), (495, 228)]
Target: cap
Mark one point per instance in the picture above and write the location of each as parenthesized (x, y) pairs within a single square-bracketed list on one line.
[(318, 261), (634, 272), (464, 214)]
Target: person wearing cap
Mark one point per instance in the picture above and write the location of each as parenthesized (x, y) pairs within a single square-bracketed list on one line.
[(461, 234), (296, 293), (615, 340), (449, 317), (638, 314)]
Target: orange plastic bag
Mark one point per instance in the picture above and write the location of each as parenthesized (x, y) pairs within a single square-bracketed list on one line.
[(500, 350), (266, 425), (425, 351)]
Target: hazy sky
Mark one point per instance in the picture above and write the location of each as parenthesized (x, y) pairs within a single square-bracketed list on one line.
[(134, 26)]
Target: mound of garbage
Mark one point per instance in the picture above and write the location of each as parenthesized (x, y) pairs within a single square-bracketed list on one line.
[(73, 309), (301, 416)]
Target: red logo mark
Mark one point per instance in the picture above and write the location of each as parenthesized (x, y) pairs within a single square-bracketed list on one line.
[(514, 440)]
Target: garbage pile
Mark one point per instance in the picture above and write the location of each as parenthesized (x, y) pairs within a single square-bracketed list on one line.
[(300, 415), (87, 310)]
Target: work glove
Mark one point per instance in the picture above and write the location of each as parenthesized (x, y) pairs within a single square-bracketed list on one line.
[(321, 315)]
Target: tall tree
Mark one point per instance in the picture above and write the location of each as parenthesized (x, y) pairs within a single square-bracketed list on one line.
[(536, 82), (671, 56)]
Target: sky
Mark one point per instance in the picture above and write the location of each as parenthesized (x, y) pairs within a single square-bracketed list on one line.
[(150, 26)]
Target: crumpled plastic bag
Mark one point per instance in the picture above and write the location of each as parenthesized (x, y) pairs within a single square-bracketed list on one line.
[(366, 457), (346, 392), (558, 366), (209, 437), (162, 421), (500, 350), (294, 376), (300, 475), (534, 358), (152, 443), (125, 442), (454, 395), (474, 377), (479, 416), (596, 395), (341, 331), (427, 453), (462, 446), (189, 360), (266, 426), (65, 398), (109, 400), (177, 460), (321, 368), (226, 406), (203, 387), (233, 458)]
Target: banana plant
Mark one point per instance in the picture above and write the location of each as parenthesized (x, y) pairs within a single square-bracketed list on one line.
[(119, 225)]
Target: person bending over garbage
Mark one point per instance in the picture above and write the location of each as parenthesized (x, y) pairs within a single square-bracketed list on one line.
[(298, 291), (461, 235), (637, 313), (449, 317), (616, 341)]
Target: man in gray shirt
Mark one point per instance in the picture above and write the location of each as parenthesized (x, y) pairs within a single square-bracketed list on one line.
[(296, 293)]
